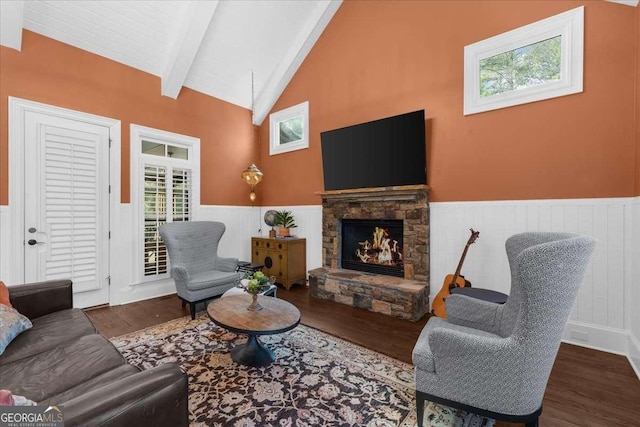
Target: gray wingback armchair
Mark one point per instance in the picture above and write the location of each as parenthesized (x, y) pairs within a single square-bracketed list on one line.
[(199, 273), (495, 360)]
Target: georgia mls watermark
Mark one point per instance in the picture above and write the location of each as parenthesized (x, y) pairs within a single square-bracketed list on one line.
[(31, 416)]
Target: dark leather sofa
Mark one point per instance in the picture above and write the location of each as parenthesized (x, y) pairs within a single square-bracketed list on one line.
[(64, 361)]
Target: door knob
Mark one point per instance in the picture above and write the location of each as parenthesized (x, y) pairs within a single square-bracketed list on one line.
[(32, 242)]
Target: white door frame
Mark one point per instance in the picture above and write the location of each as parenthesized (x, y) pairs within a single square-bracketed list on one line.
[(17, 109)]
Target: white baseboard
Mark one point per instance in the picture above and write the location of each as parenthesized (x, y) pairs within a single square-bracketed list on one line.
[(144, 291), (597, 337), (600, 338), (634, 354)]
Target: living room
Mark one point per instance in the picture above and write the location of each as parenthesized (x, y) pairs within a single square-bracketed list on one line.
[(570, 163)]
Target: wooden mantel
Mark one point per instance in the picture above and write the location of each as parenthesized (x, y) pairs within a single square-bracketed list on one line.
[(349, 191)]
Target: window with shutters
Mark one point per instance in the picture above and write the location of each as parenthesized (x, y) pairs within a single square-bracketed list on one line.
[(166, 180)]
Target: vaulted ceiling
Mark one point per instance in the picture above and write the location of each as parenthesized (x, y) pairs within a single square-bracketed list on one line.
[(241, 51)]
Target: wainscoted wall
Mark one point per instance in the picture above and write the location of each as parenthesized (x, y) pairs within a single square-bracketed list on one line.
[(241, 223), (246, 222), (606, 315), (603, 316), (4, 244)]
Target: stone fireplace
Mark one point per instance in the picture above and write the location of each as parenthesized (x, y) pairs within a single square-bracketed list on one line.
[(397, 219)]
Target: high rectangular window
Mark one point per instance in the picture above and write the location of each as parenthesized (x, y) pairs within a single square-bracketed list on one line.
[(538, 61)]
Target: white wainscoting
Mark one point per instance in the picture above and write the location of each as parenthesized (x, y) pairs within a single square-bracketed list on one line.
[(634, 297), (602, 315), (605, 316), (125, 286), (240, 223), (246, 222), (309, 221), (5, 245)]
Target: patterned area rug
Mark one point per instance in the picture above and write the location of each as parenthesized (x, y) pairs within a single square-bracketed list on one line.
[(317, 379)]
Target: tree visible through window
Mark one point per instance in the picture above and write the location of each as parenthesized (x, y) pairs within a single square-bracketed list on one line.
[(521, 68)]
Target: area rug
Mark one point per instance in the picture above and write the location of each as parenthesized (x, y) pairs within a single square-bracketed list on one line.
[(317, 379)]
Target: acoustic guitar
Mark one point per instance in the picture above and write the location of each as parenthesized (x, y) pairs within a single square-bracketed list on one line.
[(438, 307)]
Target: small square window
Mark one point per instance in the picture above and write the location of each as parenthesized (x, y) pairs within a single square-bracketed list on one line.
[(289, 129)]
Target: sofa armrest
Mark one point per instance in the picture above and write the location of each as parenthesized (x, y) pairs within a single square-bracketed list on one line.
[(226, 264), (155, 397), (37, 299)]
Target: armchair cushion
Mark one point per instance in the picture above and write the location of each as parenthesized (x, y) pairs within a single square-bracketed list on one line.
[(472, 312), (212, 279), (423, 355)]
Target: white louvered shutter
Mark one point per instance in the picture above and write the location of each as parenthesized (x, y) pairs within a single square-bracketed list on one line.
[(167, 198), (71, 206)]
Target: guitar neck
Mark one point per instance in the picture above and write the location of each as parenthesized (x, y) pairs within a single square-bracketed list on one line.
[(464, 254)]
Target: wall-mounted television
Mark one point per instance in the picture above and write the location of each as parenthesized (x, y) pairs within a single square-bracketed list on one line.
[(381, 153)]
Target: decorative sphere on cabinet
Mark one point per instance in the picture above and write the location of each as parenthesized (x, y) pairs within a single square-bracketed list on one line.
[(270, 218)]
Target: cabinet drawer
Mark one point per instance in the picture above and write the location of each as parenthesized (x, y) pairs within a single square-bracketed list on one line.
[(269, 244)]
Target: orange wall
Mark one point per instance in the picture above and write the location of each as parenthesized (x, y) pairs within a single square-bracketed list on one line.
[(380, 58), (54, 73)]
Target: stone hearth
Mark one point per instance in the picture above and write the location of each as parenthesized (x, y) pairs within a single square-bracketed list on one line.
[(367, 290), (406, 299)]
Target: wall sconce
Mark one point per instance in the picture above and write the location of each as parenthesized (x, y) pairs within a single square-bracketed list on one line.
[(252, 176)]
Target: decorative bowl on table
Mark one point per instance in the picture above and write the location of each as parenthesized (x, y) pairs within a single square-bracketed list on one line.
[(254, 284)]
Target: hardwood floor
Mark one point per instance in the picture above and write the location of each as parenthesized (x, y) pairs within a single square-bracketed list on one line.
[(587, 388)]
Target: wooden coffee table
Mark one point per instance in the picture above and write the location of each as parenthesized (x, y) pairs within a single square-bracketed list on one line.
[(276, 316)]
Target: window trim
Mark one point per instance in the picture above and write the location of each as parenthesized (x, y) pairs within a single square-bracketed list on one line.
[(569, 25), (138, 160), (275, 147)]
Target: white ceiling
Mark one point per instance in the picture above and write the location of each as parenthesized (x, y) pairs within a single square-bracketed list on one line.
[(210, 46)]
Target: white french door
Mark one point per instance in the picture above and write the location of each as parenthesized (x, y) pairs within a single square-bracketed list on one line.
[(66, 204)]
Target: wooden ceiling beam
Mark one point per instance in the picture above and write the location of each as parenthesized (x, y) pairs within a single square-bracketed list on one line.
[(11, 21), (188, 39)]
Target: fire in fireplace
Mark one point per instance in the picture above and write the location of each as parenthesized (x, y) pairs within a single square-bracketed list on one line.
[(374, 246)]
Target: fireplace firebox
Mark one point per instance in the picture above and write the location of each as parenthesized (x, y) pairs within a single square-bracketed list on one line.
[(373, 246)]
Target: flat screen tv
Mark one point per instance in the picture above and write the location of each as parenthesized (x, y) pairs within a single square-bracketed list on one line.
[(381, 153)]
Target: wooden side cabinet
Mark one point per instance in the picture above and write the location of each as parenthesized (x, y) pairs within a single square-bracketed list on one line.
[(286, 259)]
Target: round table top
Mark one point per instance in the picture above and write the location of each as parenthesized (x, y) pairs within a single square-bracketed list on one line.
[(276, 316)]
